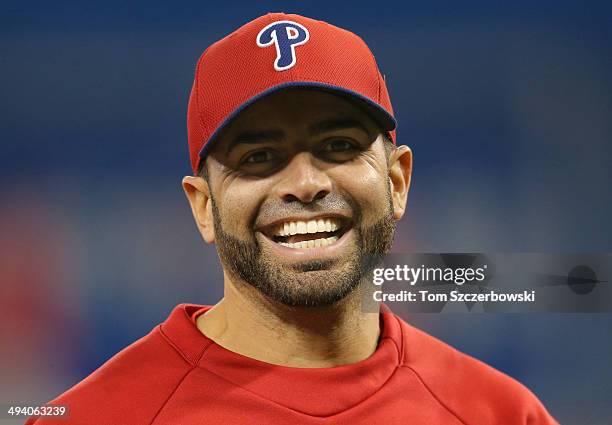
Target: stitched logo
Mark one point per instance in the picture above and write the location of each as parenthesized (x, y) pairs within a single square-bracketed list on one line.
[(285, 35)]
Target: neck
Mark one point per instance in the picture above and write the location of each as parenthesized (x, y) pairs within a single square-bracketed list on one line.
[(248, 323)]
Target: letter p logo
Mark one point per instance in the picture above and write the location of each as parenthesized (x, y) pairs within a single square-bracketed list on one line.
[(285, 35)]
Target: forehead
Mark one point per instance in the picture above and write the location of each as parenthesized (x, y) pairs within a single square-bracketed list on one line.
[(295, 110)]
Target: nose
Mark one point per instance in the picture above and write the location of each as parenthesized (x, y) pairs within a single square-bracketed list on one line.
[(303, 181)]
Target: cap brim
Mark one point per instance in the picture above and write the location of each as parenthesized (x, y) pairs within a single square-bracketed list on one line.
[(380, 115)]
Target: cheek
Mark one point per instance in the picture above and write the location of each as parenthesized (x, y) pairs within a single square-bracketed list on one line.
[(238, 205), (368, 187)]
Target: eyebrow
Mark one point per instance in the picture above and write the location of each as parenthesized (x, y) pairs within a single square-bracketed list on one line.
[(277, 135), (249, 137), (337, 124)]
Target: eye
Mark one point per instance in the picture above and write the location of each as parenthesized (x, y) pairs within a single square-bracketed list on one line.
[(259, 157), (338, 145)]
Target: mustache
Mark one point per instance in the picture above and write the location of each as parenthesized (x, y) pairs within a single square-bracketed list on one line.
[(277, 209)]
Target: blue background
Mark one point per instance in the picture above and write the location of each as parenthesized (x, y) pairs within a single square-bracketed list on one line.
[(507, 107)]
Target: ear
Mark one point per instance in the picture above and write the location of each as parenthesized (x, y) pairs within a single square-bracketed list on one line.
[(198, 194), (400, 171)]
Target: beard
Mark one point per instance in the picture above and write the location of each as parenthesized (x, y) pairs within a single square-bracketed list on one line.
[(315, 283)]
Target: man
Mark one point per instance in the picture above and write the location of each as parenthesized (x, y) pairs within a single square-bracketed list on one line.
[(299, 183)]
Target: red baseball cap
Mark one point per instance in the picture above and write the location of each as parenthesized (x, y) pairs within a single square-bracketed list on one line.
[(274, 52)]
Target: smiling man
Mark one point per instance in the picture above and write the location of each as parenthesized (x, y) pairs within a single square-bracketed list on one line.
[(298, 182)]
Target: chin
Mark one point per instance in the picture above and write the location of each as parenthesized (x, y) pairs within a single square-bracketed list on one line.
[(311, 284)]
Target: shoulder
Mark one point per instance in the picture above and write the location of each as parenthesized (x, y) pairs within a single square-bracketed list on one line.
[(131, 387), (472, 390)]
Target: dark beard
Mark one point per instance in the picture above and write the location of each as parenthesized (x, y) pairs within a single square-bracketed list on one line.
[(315, 283)]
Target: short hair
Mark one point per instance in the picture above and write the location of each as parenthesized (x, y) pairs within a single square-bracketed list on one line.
[(389, 145)]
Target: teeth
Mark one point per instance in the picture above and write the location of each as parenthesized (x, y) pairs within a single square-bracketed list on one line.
[(301, 228), (312, 226), (313, 243), (304, 227)]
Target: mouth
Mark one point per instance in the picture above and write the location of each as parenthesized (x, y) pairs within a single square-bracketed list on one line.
[(318, 232)]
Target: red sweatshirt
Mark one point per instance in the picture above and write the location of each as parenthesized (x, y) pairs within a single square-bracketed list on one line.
[(176, 375)]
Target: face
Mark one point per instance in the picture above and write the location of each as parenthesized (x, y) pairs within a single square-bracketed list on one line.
[(299, 196)]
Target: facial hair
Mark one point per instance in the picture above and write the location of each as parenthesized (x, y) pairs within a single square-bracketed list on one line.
[(315, 283)]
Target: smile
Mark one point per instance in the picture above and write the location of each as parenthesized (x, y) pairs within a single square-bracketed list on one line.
[(318, 232)]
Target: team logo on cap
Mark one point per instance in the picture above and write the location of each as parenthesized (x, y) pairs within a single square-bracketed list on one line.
[(285, 35)]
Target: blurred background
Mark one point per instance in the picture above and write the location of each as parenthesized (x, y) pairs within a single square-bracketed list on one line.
[(507, 107)]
